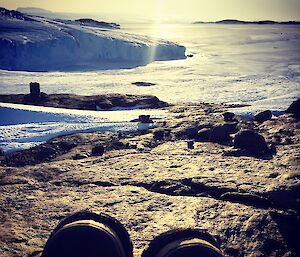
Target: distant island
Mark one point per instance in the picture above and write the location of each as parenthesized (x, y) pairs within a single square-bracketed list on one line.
[(91, 22), (263, 22)]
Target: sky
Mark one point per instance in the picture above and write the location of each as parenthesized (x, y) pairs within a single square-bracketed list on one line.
[(164, 10)]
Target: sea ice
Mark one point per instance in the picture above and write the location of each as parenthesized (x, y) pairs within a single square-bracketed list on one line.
[(24, 126)]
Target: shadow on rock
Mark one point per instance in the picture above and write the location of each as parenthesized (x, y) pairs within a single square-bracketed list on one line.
[(289, 227)]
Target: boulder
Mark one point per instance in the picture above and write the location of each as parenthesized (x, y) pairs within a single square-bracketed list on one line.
[(98, 150), (263, 116), (220, 134), (251, 141), (294, 109), (228, 116)]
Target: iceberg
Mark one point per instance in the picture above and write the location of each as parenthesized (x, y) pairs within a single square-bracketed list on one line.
[(34, 43)]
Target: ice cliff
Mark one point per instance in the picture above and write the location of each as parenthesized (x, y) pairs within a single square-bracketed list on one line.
[(33, 43)]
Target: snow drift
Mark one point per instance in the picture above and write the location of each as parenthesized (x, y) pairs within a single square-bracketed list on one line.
[(33, 43)]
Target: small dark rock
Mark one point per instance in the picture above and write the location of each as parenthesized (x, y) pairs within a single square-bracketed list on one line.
[(145, 119), (203, 135), (263, 116), (143, 84), (252, 141), (274, 175), (190, 55), (98, 150), (294, 109), (228, 116), (190, 144), (220, 134)]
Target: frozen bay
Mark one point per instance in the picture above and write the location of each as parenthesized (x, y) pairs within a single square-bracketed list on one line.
[(251, 64)]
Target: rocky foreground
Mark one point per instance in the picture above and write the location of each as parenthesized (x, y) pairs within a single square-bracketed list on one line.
[(186, 172)]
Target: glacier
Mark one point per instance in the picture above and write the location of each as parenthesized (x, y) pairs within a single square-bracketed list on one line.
[(34, 43)]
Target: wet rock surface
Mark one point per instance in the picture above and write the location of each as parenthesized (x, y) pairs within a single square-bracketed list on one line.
[(250, 204)]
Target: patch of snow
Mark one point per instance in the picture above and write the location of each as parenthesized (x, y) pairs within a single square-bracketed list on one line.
[(23, 126)]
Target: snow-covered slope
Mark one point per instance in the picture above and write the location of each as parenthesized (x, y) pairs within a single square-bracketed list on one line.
[(35, 43)]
